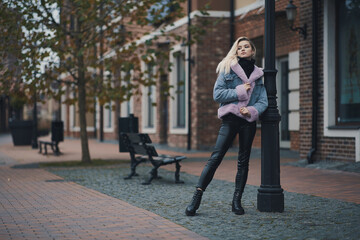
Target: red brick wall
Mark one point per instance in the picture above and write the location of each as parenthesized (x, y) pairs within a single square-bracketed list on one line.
[(328, 148), (305, 13), (294, 140), (213, 48), (340, 149)]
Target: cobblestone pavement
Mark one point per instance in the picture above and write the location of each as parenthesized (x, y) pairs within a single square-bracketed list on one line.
[(305, 216)]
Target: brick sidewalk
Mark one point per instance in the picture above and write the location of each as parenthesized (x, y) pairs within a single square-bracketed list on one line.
[(36, 204)]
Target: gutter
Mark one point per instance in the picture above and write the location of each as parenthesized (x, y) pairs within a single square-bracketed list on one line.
[(315, 80)]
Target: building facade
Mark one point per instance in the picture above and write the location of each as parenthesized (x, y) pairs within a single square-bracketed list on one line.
[(189, 120)]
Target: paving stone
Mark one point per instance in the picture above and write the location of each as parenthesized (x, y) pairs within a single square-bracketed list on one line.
[(305, 216)]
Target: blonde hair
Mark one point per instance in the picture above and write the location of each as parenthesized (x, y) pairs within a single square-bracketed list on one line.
[(231, 57)]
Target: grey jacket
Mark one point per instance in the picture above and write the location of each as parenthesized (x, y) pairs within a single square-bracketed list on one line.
[(229, 91)]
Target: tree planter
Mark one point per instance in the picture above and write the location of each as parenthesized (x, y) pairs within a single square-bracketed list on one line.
[(21, 132)]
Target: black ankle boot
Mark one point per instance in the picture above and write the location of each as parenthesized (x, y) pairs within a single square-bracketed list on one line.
[(195, 203), (236, 203)]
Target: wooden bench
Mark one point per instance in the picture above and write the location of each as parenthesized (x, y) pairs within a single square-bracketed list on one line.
[(141, 150), (54, 146)]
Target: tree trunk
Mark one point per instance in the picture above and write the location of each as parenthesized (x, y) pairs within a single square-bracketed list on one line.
[(101, 123), (85, 154)]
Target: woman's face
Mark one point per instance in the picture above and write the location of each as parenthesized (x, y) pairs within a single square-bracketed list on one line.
[(244, 49)]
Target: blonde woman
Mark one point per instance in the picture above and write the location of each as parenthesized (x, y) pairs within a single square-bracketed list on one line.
[(242, 96)]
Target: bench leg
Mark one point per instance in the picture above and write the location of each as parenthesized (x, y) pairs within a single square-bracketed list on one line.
[(134, 164), (56, 149), (156, 176), (45, 149), (177, 173), (40, 149), (153, 174)]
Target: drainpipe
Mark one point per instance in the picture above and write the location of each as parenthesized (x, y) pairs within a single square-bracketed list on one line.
[(232, 19), (189, 77), (315, 53)]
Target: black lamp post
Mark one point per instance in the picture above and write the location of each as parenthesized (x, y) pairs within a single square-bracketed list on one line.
[(270, 194), (291, 16)]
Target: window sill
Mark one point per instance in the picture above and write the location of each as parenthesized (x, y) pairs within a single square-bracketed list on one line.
[(339, 127)]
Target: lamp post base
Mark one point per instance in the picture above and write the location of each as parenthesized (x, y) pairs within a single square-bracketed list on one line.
[(270, 200)]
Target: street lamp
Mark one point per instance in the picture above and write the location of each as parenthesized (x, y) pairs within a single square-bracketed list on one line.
[(270, 194), (291, 16)]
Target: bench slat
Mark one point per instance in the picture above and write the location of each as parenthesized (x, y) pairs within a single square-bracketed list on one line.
[(152, 150), (139, 149), (144, 149), (138, 138)]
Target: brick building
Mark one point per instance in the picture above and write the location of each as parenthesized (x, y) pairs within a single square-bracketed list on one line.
[(189, 119), (338, 86)]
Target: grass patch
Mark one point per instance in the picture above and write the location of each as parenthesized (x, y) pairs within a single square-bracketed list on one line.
[(93, 163)]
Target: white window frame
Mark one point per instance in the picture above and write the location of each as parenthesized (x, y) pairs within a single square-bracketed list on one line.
[(124, 105), (144, 103), (173, 104), (106, 118), (330, 80), (124, 108), (76, 128), (107, 111)]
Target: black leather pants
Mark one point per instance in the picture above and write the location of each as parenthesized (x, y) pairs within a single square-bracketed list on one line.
[(231, 125)]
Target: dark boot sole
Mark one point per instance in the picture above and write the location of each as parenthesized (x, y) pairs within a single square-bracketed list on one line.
[(188, 213), (238, 212)]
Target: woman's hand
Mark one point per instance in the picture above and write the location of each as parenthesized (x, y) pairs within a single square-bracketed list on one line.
[(247, 86), (244, 111)]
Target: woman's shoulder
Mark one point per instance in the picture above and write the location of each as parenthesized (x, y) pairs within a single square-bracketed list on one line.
[(224, 76), (231, 75)]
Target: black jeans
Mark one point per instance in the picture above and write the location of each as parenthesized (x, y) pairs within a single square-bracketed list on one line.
[(231, 125)]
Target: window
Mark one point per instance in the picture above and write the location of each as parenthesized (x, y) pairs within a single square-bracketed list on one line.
[(284, 110), (178, 109), (126, 108), (149, 100), (332, 127), (108, 116), (180, 91), (150, 107), (348, 63)]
